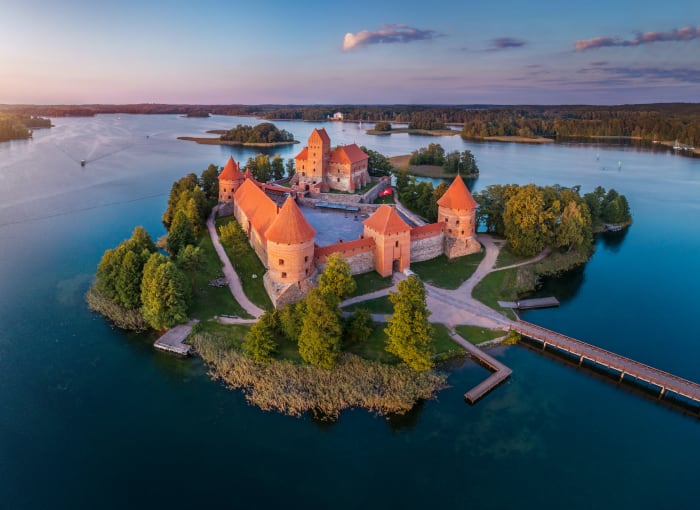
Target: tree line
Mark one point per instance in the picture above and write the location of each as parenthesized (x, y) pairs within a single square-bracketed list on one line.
[(419, 196), (453, 162), (531, 217), (138, 287), (19, 126), (265, 132)]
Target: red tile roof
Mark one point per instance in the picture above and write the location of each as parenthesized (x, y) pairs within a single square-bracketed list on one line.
[(304, 154), (231, 171), (290, 226), (428, 230), (457, 196), (386, 221), (322, 134), (348, 154), (260, 210), (360, 245)]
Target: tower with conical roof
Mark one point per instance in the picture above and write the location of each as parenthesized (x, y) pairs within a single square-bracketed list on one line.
[(392, 239), (230, 179), (457, 209), (290, 255)]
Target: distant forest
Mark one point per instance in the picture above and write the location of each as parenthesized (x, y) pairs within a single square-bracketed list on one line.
[(17, 126), (662, 121)]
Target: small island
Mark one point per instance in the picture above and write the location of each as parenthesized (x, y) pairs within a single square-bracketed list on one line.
[(265, 134), (431, 128), (433, 162)]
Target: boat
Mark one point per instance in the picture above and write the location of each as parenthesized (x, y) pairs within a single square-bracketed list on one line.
[(83, 162)]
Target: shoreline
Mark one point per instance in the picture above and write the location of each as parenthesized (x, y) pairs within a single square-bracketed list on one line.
[(422, 132), (430, 171), (216, 141)]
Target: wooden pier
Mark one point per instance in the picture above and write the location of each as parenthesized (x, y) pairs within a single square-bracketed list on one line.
[(173, 339), (500, 371), (664, 381), (530, 304)]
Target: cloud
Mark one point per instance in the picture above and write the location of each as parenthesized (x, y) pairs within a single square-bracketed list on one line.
[(678, 34), (390, 33), (503, 43)]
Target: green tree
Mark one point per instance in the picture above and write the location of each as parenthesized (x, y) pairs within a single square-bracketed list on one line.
[(290, 320), (181, 234), (277, 167), (321, 330), (164, 293), (377, 164), (209, 182), (358, 326), (336, 278), (382, 126), (289, 166), (526, 221), (259, 343), (409, 334), (184, 184), (129, 280), (190, 259), (574, 230)]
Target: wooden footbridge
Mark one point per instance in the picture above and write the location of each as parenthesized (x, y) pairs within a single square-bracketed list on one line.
[(664, 381)]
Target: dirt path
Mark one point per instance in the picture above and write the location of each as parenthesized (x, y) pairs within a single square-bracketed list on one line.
[(234, 282)]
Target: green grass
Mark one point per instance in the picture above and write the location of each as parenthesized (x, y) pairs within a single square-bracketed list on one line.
[(210, 301), (246, 266), (369, 282), (497, 286), (380, 305), (445, 273), (387, 199), (507, 258), (373, 347), (233, 333), (477, 334)]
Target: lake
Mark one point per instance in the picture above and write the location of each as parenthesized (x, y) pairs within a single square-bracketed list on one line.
[(92, 417)]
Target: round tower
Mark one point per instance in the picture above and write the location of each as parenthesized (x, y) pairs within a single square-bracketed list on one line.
[(290, 246), (230, 179), (457, 209)]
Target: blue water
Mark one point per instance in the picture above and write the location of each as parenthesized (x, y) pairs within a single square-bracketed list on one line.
[(91, 417)]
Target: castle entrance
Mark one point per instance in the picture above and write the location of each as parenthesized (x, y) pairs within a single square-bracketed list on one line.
[(396, 266)]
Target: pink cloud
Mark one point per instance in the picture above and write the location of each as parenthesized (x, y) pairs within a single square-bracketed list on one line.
[(391, 33), (678, 34)]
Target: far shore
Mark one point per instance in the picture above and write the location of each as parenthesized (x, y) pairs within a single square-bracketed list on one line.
[(515, 139), (424, 132), (217, 141)]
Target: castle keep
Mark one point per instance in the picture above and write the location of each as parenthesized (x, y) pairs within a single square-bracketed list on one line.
[(285, 241)]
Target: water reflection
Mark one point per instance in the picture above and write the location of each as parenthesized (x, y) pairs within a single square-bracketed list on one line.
[(612, 241)]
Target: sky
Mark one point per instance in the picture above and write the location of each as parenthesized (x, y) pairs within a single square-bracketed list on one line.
[(353, 52)]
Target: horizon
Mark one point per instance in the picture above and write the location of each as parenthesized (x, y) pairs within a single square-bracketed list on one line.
[(389, 53)]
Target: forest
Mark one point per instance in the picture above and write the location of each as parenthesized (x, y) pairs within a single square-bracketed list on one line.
[(17, 127)]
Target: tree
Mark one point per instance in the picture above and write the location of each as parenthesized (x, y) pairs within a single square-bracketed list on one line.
[(336, 278), (409, 334), (377, 164), (290, 320), (180, 235), (277, 167), (321, 330), (209, 182), (382, 126), (526, 221), (184, 184), (574, 230), (164, 293), (289, 166), (128, 282), (259, 342), (190, 259), (358, 326)]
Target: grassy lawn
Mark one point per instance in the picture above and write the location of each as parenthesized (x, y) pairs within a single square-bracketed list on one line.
[(210, 301), (373, 347), (379, 305), (231, 332), (477, 334), (247, 266), (445, 273), (386, 199), (508, 258), (369, 282), (497, 286)]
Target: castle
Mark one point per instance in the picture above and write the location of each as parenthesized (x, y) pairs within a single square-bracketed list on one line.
[(284, 240), (320, 168)]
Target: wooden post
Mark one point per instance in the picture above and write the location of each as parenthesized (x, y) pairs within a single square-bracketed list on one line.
[(622, 374), (661, 393), (580, 361)]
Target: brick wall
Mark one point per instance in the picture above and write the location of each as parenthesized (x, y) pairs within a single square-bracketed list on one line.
[(427, 247)]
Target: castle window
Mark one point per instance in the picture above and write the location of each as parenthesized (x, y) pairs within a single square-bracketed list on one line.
[(447, 220), (396, 244), (284, 275), (307, 271), (462, 232), (457, 222), (306, 258), (281, 262), (338, 179)]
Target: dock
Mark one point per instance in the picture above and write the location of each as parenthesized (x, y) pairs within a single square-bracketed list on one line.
[(500, 371), (662, 382), (173, 339), (530, 304)]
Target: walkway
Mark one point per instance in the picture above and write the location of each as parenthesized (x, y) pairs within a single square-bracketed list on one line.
[(234, 282), (173, 339)]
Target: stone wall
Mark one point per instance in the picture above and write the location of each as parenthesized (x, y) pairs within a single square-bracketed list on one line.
[(282, 294), (359, 254), (360, 262), (458, 247), (337, 198), (382, 184), (427, 247)]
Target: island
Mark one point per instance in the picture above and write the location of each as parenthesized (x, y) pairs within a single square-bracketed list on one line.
[(19, 127), (433, 162), (265, 134)]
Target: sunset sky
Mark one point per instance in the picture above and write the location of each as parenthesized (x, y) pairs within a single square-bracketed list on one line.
[(446, 52)]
